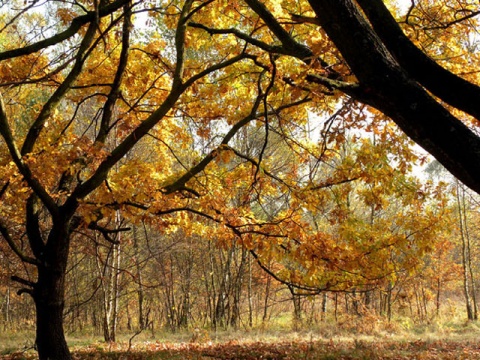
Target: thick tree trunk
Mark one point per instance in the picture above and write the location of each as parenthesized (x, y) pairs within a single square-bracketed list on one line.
[(49, 291), (49, 301)]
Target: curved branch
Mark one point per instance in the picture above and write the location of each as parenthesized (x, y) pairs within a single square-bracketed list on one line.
[(34, 184), (447, 86), (11, 243), (453, 22), (265, 109), (289, 43), (75, 26), (117, 81), (257, 165), (39, 123), (179, 184), (310, 289), (106, 232), (245, 37), (134, 137)]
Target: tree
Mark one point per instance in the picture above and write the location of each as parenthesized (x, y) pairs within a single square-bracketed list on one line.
[(83, 86)]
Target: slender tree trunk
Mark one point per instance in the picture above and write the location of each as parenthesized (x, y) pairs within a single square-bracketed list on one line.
[(368, 299), (424, 302), (465, 256), (110, 290), (266, 300), (213, 291), (324, 306), (222, 308), (336, 307), (250, 294), (115, 291), (7, 309), (142, 322), (439, 284), (237, 287), (389, 302), (297, 308), (469, 257), (420, 305)]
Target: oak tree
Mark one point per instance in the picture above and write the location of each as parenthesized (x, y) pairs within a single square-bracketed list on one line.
[(135, 107)]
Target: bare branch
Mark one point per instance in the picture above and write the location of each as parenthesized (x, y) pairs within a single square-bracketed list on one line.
[(117, 81), (75, 26), (23, 281), (106, 232), (11, 243)]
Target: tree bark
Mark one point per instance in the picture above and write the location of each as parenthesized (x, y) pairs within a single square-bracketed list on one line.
[(50, 338), (48, 295), (449, 87)]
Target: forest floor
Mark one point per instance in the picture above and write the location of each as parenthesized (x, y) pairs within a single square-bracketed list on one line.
[(286, 349), (462, 343)]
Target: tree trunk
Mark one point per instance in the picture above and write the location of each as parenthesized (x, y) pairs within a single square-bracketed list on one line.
[(439, 287), (324, 306), (7, 309), (389, 302), (465, 254), (249, 293), (266, 300), (469, 257), (49, 301), (297, 308)]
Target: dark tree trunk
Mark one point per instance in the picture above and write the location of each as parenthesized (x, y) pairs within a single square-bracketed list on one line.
[(49, 301), (49, 291)]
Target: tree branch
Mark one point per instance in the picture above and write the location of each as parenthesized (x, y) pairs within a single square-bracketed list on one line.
[(11, 243), (106, 232), (289, 43), (447, 86), (22, 167), (45, 113), (117, 81), (390, 89), (74, 27), (245, 37), (23, 281)]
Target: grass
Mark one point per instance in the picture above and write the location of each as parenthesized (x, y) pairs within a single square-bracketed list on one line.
[(347, 339)]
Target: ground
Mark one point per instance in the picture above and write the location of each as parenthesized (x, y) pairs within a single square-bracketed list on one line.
[(282, 346)]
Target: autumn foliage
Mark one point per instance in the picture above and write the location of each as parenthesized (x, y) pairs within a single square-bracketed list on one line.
[(218, 139)]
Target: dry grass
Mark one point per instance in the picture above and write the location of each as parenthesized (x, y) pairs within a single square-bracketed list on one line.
[(349, 338)]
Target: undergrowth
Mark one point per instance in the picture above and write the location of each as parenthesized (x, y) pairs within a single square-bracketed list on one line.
[(351, 337)]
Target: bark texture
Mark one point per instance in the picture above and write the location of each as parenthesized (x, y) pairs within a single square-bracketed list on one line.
[(49, 297)]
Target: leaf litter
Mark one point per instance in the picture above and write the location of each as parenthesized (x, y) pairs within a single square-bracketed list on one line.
[(277, 350)]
